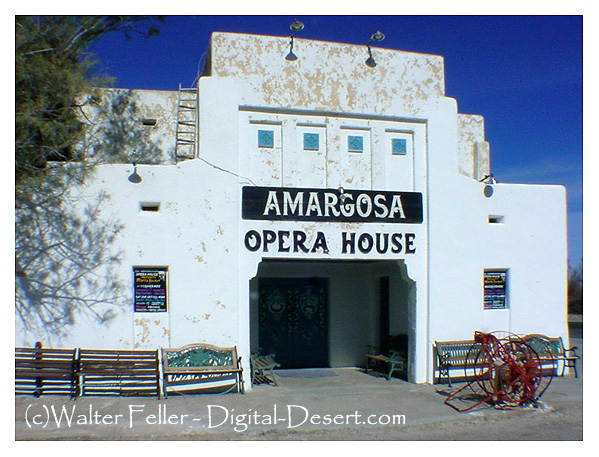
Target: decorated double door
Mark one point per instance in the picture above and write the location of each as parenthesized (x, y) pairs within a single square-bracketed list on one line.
[(293, 321)]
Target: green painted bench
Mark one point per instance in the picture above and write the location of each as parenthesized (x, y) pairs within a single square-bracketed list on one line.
[(201, 368), (395, 361), (551, 350), (463, 354)]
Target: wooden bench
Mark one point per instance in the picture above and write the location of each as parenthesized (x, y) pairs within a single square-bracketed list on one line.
[(551, 351), (118, 372), (40, 371), (201, 368), (263, 368), (456, 354), (395, 361), (392, 353)]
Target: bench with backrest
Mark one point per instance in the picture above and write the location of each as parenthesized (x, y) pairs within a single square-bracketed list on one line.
[(460, 354), (40, 371), (394, 355), (463, 354), (394, 361), (552, 353), (201, 368), (118, 372)]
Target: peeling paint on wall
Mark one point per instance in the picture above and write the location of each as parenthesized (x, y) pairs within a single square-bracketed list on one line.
[(329, 85), (151, 332), (473, 150), (327, 76), (142, 332)]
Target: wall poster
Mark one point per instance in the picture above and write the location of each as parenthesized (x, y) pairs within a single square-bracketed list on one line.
[(495, 287), (150, 290)]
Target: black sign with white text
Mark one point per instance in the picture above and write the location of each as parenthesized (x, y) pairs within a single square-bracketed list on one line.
[(331, 205)]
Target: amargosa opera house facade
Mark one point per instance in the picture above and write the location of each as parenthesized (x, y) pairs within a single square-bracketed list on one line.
[(321, 206)]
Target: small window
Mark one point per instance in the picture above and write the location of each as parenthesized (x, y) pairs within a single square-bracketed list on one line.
[(495, 289), (399, 146), (148, 122), (355, 143), (266, 139), (495, 219), (311, 142), (149, 207)]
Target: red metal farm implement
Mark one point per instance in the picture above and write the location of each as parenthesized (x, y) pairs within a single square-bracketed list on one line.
[(506, 372)]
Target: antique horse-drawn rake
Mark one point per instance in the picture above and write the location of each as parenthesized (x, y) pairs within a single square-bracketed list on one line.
[(507, 372)]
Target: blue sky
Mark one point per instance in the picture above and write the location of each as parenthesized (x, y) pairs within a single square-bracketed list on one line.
[(522, 73)]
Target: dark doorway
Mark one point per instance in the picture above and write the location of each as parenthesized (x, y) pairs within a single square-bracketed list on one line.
[(384, 314), (293, 321)]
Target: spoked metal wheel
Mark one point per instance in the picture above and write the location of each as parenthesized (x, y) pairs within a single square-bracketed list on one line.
[(518, 377), (507, 370)]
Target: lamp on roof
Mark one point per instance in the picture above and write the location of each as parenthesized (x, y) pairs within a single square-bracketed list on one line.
[(134, 177), (297, 26), (489, 180), (376, 37)]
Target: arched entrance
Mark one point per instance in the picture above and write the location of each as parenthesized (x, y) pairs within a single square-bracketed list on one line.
[(320, 313)]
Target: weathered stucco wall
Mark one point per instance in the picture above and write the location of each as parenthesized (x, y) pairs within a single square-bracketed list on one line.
[(200, 236), (473, 151), (126, 126), (328, 76)]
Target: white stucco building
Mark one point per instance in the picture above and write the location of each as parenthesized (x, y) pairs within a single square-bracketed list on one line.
[(321, 206)]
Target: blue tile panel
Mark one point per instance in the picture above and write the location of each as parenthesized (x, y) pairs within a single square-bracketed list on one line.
[(355, 143), (399, 146), (311, 141), (266, 139)]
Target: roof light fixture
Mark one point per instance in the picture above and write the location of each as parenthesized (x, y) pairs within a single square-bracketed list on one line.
[(134, 177), (376, 37), (489, 180), (297, 26)]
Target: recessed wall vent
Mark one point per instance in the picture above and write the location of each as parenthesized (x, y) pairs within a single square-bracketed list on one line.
[(149, 207)]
